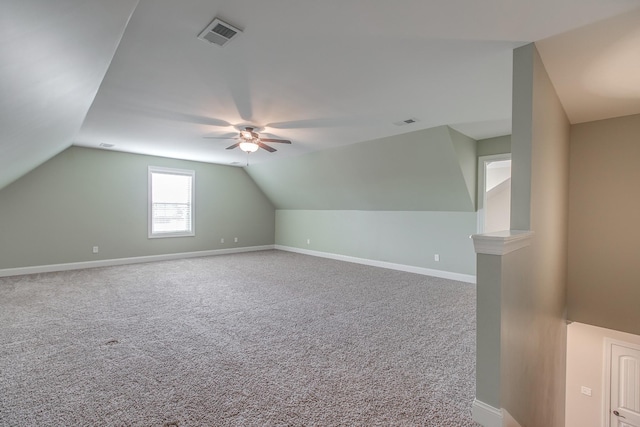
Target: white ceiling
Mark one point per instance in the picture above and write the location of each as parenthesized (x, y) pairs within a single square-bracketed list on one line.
[(53, 56), (596, 68), (322, 74)]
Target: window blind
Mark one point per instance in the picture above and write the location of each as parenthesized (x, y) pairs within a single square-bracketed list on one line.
[(171, 202)]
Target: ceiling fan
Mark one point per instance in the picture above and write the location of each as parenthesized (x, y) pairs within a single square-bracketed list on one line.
[(249, 141)]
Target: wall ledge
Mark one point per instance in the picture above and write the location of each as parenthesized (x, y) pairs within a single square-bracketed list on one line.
[(124, 261), (501, 242), (486, 415), (468, 278)]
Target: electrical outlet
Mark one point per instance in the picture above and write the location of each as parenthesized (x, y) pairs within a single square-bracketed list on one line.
[(585, 390), (95, 249), (235, 239), (436, 257), (222, 240), (308, 241)]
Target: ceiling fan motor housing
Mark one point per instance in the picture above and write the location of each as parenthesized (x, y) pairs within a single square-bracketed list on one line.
[(248, 134), (249, 140)]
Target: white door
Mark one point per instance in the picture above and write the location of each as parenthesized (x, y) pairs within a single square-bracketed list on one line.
[(625, 387)]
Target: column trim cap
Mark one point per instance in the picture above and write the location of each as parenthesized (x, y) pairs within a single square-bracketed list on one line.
[(501, 242)]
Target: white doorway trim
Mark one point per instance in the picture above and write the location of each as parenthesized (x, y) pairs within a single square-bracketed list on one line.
[(606, 377), (482, 179)]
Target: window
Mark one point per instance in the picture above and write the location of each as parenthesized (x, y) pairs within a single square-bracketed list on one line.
[(171, 196)]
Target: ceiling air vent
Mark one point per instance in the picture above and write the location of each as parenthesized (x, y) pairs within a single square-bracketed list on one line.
[(219, 32), (406, 122)]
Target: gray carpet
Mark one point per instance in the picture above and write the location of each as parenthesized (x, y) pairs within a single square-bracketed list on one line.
[(257, 339)]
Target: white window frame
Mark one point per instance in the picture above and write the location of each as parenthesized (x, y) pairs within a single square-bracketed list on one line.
[(482, 178), (170, 171)]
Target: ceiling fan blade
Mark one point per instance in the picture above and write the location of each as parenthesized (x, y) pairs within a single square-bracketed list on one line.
[(233, 135), (174, 115), (235, 72), (231, 147), (282, 141), (266, 147), (322, 122)]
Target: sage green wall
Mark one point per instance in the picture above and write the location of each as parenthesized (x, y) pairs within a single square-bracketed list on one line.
[(604, 207), (488, 330), (426, 170), (492, 146), (533, 339), (400, 199), (86, 197), (408, 238), (466, 149)]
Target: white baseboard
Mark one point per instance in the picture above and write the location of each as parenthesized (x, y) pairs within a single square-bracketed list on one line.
[(123, 261), (165, 257), (486, 415), (390, 265)]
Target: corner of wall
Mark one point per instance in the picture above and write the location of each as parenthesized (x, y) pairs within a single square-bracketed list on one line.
[(486, 415), (467, 153)]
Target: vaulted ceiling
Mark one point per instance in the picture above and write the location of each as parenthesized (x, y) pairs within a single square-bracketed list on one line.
[(323, 74)]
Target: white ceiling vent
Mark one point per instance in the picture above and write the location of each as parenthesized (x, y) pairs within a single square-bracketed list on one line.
[(406, 122), (219, 32)]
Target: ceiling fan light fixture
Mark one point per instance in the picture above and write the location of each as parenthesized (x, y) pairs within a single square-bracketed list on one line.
[(248, 146), (250, 141)]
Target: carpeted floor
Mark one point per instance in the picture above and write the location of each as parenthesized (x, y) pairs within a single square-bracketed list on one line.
[(257, 339)]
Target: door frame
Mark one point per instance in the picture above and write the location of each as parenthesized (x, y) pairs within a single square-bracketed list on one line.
[(606, 376), (482, 178)]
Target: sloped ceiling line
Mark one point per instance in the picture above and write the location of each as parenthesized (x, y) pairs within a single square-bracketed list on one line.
[(323, 79), (54, 60)]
